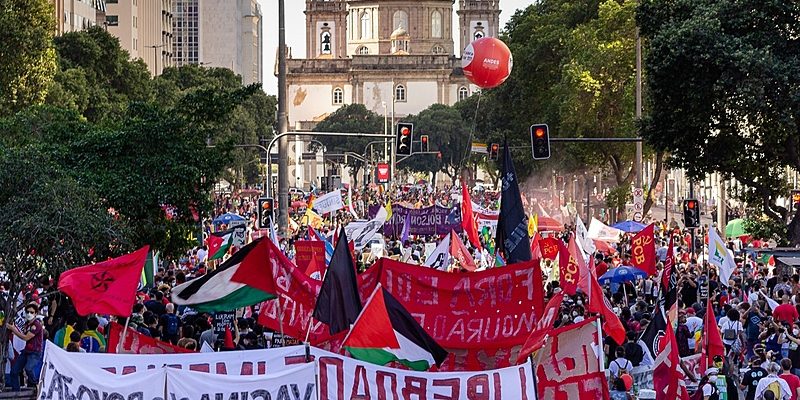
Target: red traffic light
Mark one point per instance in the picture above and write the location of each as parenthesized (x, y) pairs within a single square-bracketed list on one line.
[(495, 147), (424, 139), (405, 131), (539, 132), (690, 205)]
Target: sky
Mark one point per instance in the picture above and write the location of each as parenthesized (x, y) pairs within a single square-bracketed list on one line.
[(296, 31)]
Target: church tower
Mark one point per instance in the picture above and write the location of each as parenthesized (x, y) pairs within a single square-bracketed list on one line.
[(326, 29), (477, 19)]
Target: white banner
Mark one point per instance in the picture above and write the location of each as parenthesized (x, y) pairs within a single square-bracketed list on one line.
[(296, 382), (362, 231), (440, 258), (487, 220), (328, 202), (603, 232), (65, 379), (584, 242), (245, 362), (343, 378)]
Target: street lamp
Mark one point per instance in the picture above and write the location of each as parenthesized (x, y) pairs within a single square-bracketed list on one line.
[(155, 56)]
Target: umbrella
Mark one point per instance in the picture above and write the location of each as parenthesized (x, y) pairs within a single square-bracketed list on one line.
[(622, 274), (549, 224), (629, 226), (227, 219), (735, 228)]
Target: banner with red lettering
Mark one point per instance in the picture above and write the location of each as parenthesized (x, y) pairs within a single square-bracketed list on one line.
[(567, 367), (305, 250), (342, 378)]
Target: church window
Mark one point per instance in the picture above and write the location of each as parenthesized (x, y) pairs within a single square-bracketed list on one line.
[(338, 96), (463, 93), (362, 50), (478, 34), (399, 93), (325, 43), (436, 24), (400, 20), (438, 49), (366, 26)]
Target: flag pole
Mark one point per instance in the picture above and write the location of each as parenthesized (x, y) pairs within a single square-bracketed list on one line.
[(600, 353), (120, 345)]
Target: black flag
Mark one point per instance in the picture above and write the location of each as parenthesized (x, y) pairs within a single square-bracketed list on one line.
[(338, 304), (512, 226)]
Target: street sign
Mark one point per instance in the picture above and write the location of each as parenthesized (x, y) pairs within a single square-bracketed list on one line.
[(638, 204), (309, 156), (383, 173), (480, 148)]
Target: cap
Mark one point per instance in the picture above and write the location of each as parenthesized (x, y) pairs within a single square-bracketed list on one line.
[(755, 360), (690, 310), (759, 348), (712, 371)]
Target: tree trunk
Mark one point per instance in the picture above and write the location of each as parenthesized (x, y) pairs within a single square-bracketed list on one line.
[(793, 230), (648, 200)]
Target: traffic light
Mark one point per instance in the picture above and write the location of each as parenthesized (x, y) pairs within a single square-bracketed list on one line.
[(494, 151), (405, 136), (796, 199), (540, 141), (423, 143), (266, 205), (691, 213)]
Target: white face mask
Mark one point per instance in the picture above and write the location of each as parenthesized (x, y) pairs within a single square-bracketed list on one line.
[(30, 316), (795, 331), (574, 313), (580, 303)]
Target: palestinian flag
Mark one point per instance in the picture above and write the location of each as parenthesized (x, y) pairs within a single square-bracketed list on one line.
[(216, 291), (219, 243), (386, 332)]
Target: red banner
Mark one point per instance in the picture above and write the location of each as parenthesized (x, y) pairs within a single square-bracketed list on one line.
[(567, 367), (643, 251), (136, 343), (549, 247), (305, 250)]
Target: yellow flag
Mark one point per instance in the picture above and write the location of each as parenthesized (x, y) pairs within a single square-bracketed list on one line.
[(533, 224), (312, 219), (388, 209)]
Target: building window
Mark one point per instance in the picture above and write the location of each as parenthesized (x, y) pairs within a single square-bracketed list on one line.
[(400, 20), (111, 1), (325, 43), (366, 26), (438, 49), (463, 93), (112, 20), (436, 24), (399, 93), (362, 50), (338, 96), (135, 22)]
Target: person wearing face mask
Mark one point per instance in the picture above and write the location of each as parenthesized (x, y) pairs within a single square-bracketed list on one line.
[(30, 359)]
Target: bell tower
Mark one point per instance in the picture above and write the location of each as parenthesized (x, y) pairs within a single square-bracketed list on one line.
[(326, 29), (477, 19)]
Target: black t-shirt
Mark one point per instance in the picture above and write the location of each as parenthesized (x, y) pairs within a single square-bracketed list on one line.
[(750, 380), (688, 294)]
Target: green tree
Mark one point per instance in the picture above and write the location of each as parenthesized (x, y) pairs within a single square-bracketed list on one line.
[(27, 58), (724, 90), (448, 134)]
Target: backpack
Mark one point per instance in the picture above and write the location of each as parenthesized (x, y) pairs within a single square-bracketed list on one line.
[(620, 371), (775, 388), (172, 324), (729, 333)]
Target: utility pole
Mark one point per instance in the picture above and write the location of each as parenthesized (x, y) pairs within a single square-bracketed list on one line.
[(283, 145), (722, 208), (155, 57), (638, 162)]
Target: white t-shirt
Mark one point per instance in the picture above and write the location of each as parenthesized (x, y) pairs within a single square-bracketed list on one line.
[(618, 364), (725, 323)]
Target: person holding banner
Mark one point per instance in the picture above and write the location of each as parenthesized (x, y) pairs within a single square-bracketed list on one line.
[(30, 360)]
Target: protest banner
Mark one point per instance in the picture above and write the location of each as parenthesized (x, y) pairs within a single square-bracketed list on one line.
[(343, 378), (246, 362), (487, 221), (328, 202), (224, 319), (65, 378), (306, 250), (433, 220), (296, 382), (136, 343), (567, 367)]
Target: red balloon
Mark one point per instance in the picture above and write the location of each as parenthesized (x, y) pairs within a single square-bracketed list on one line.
[(487, 62)]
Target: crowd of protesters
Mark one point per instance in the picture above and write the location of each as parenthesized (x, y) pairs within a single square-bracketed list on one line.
[(757, 311)]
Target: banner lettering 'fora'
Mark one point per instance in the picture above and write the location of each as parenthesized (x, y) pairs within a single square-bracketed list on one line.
[(343, 378), (65, 379), (567, 366), (296, 382), (433, 220)]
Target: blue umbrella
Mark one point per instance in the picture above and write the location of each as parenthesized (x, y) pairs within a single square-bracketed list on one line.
[(622, 274), (227, 219), (629, 226)]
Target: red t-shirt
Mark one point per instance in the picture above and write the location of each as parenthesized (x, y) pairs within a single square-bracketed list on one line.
[(35, 343), (785, 313), (794, 383)]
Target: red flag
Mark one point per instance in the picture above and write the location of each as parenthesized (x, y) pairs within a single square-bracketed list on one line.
[(667, 378), (643, 251), (228, 343), (315, 270), (712, 341), (256, 268), (468, 218), (136, 343), (460, 253), (598, 303), (549, 247), (544, 325), (108, 287), (538, 288), (568, 270)]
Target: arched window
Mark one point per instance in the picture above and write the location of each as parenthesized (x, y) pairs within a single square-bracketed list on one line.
[(438, 49), (399, 93), (478, 35), (366, 26), (463, 93), (436, 24), (325, 43), (338, 96), (362, 50), (400, 20)]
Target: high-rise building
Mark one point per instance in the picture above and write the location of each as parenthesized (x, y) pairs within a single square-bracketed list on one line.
[(144, 29), (226, 34), (75, 15)]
